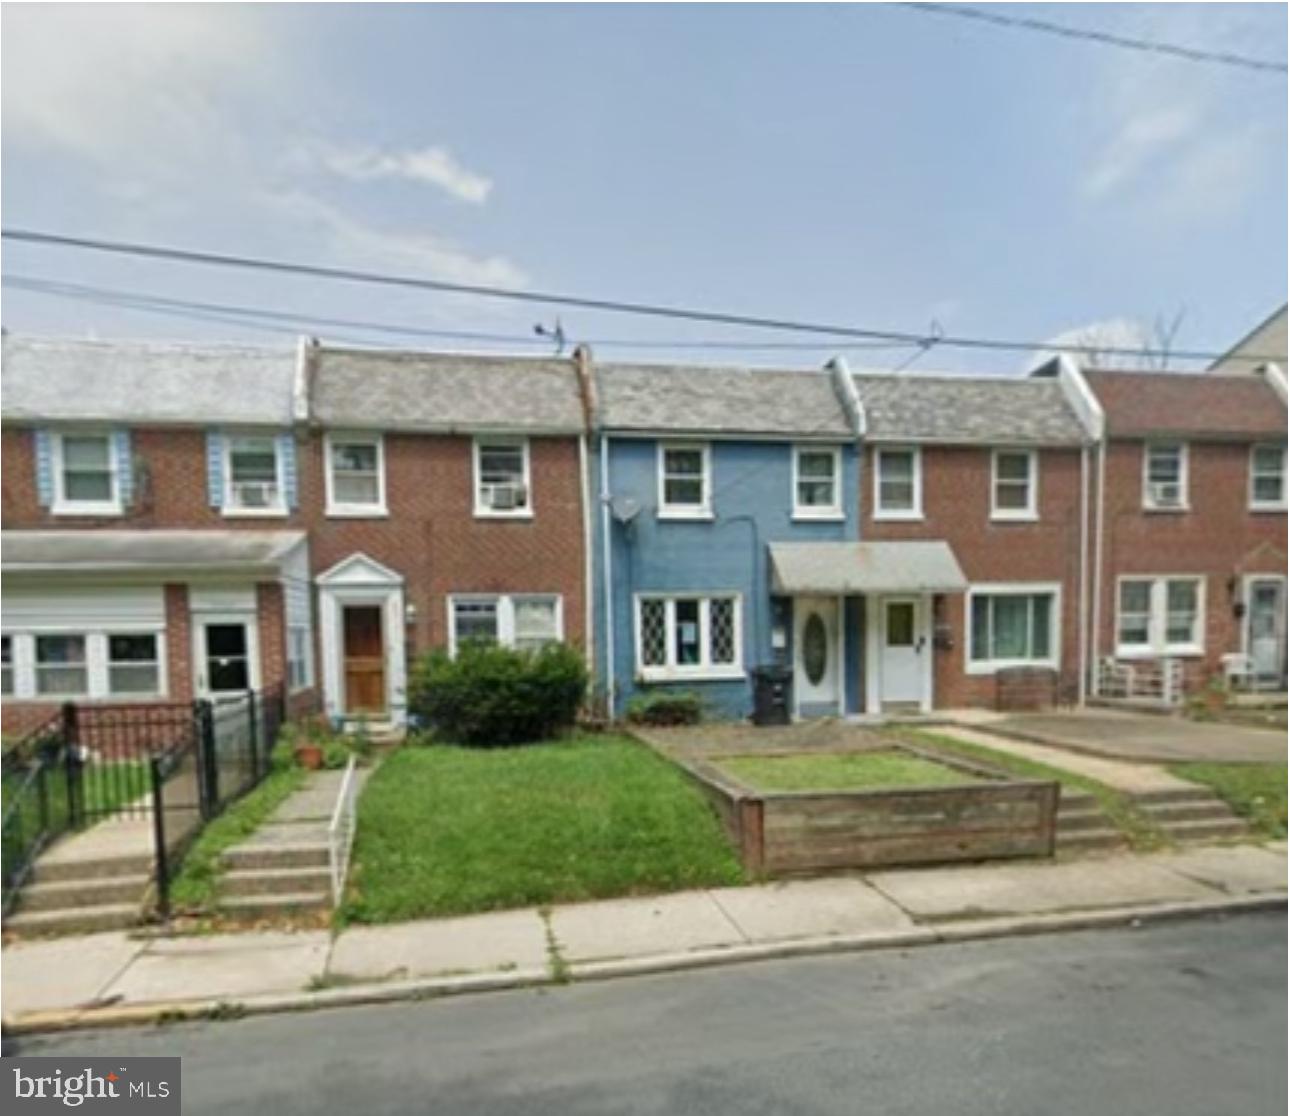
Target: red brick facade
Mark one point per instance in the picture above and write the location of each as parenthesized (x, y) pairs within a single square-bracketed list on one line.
[(956, 492)]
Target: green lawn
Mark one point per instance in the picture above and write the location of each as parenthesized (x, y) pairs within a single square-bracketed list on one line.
[(1256, 791), (446, 830), (1137, 828), (846, 771)]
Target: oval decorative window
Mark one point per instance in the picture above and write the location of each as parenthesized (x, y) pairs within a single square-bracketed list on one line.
[(815, 648)]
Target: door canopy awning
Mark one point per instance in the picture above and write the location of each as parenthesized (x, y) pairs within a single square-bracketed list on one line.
[(147, 552), (843, 568)]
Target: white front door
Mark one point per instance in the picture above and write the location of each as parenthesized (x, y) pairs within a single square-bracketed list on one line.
[(816, 670), (226, 655), (1265, 630), (901, 652)]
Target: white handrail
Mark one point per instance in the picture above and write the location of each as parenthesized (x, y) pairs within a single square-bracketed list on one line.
[(340, 831)]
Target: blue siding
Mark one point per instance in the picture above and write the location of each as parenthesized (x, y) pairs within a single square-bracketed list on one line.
[(752, 504)]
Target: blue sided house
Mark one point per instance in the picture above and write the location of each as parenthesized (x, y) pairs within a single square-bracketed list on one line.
[(701, 474)]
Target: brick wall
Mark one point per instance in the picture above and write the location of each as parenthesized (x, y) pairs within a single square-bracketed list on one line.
[(956, 509), (1218, 538)]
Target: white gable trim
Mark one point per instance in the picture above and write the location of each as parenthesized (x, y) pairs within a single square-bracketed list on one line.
[(359, 569)]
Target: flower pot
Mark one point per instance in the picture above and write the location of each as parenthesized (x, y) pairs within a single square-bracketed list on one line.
[(309, 756)]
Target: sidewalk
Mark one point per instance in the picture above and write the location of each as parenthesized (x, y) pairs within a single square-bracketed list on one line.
[(112, 978)]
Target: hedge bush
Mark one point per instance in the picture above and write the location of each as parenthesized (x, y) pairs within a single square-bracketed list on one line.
[(490, 695), (665, 708)]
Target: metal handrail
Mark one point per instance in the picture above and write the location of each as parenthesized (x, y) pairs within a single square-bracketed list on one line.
[(340, 831)]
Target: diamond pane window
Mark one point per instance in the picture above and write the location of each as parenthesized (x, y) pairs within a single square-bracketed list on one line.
[(653, 621), (721, 622)]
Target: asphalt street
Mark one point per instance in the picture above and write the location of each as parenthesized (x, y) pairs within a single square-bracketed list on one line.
[(1178, 1018)]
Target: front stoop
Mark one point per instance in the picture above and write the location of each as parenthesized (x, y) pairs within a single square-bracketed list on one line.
[(1191, 814), (281, 870), (1082, 826), (80, 898)]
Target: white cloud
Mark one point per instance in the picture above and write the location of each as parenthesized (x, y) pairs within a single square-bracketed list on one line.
[(431, 166), (1140, 140), (1097, 336)]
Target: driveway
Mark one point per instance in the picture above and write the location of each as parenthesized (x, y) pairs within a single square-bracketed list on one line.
[(1146, 737)]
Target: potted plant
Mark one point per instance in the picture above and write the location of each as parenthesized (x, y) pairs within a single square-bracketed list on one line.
[(308, 748)]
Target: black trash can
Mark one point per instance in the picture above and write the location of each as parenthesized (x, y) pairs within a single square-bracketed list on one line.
[(772, 692)]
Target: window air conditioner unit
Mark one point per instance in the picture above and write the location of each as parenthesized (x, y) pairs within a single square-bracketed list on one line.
[(1166, 494), (254, 494), (507, 497)]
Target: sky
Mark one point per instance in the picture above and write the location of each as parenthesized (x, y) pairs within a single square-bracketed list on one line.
[(864, 164)]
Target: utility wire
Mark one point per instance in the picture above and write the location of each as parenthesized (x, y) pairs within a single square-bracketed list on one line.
[(654, 310), (148, 301), (1105, 38)]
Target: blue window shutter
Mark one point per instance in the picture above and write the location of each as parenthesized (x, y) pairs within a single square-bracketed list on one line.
[(44, 468), (124, 466), (215, 468), (287, 455)]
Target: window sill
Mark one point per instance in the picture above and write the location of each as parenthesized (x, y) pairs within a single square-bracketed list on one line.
[(993, 666), (87, 509), (1268, 509), (254, 513), (711, 674), (1191, 651), (488, 513), (897, 517), (833, 515), (342, 512), (695, 515), (1010, 517)]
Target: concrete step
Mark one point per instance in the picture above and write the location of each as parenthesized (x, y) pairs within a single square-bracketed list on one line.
[(1076, 800), (1206, 830), (76, 920), (1147, 799), (275, 881), (1090, 840), (1081, 823), (63, 895), (275, 906), (1166, 813), (256, 857), (58, 871)]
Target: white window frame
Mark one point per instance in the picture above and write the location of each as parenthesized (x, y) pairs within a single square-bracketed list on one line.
[(63, 505), (345, 509), (230, 510), (1256, 504), (23, 644), (505, 605), (1157, 644), (704, 669), (914, 512), (1031, 511), (1148, 501), (818, 511), (160, 650), (701, 510), (482, 508), (1051, 661)]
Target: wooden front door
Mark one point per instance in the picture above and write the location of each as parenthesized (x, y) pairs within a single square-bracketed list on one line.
[(364, 660)]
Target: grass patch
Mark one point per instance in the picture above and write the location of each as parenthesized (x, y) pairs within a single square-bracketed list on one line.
[(844, 771), (445, 830), (1138, 830), (196, 884), (1256, 791)]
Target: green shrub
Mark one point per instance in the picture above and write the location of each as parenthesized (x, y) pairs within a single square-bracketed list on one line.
[(665, 708), (490, 695)]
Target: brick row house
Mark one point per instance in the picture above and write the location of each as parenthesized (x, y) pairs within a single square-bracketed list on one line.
[(189, 520)]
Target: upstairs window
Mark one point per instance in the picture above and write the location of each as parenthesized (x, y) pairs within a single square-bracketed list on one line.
[(1014, 485), (1268, 478), (1165, 476), (502, 487), (685, 481), (898, 484), (84, 475), (253, 475), (355, 475), (817, 483)]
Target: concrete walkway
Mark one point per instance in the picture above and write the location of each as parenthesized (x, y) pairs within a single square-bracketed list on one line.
[(105, 978)]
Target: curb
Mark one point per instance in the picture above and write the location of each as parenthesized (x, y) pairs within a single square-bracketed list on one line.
[(977, 929)]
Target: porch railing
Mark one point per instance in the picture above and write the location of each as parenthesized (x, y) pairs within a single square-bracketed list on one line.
[(1149, 680), (340, 832)]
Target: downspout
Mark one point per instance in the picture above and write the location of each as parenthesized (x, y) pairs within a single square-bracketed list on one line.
[(588, 551), (608, 561), (1097, 563), (1083, 574)]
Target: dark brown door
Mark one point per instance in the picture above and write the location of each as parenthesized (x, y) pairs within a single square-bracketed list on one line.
[(364, 660)]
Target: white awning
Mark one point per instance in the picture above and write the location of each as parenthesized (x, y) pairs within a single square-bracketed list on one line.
[(242, 552), (842, 568)]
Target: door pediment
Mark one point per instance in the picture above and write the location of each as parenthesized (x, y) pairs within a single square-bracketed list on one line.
[(359, 569)]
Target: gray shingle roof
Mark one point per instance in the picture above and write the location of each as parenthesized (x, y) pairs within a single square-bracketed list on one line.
[(444, 391), (706, 400), (964, 409), (144, 382)]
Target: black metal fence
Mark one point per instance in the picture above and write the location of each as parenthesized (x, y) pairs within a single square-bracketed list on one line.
[(179, 763), (195, 780)]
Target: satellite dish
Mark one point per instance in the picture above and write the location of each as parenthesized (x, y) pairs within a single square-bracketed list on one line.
[(624, 509)]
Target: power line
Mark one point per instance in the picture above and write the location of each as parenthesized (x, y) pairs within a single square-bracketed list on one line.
[(653, 310), (148, 301), (1105, 38)]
